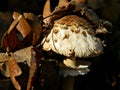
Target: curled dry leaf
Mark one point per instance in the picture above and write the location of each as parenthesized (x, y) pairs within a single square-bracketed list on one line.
[(29, 25), (63, 3), (36, 27), (22, 55), (80, 1), (4, 68), (23, 27), (9, 39), (14, 71), (46, 11), (29, 28)]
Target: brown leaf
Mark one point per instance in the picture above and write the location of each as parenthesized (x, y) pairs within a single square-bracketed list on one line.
[(21, 55), (63, 3), (81, 1), (36, 27), (30, 29), (4, 68), (35, 61), (47, 12), (9, 39), (23, 26), (29, 26), (37, 30), (14, 71), (14, 23)]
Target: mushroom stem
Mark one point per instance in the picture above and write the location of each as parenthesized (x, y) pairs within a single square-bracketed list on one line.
[(68, 82), (70, 62)]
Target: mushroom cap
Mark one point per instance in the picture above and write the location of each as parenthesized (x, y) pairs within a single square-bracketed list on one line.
[(73, 35)]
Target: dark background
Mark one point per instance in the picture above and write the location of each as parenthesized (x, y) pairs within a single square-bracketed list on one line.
[(105, 70)]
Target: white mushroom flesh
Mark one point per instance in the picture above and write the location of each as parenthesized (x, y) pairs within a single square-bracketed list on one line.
[(73, 35)]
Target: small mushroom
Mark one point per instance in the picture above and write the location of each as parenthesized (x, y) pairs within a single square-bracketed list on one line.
[(74, 40)]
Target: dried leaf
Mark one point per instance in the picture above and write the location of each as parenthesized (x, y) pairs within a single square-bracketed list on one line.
[(36, 27), (62, 11), (14, 23), (63, 3), (3, 57), (37, 30), (23, 26), (46, 12), (14, 71), (35, 60), (15, 15), (9, 39), (81, 1), (21, 55), (4, 68)]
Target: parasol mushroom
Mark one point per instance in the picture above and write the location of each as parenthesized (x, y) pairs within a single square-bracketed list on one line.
[(73, 37)]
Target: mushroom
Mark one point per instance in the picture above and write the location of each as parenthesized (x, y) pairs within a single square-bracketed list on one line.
[(73, 37)]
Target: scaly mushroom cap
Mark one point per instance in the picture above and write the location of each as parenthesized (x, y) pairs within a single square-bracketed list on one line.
[(73, 35)]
